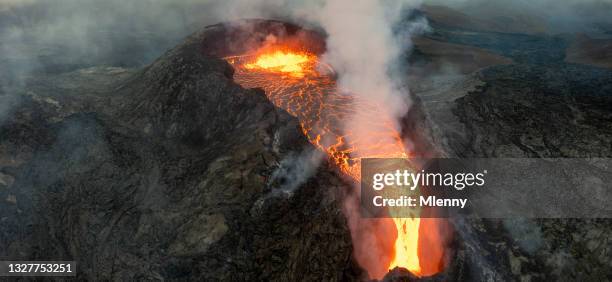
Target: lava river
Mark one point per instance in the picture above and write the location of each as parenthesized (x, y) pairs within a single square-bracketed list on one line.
[(306, 88)]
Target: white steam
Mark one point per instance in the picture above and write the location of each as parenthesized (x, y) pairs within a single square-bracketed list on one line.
[(362, 47), (294, 170)]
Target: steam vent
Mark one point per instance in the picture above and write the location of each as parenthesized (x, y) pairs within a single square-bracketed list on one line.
[(185, 169)]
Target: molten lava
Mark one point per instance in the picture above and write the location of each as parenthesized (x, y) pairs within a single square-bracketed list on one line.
[(298, 83), (282, 61)]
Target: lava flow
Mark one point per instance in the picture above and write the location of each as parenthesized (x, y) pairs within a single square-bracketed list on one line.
[(286, 62), (299, 83)]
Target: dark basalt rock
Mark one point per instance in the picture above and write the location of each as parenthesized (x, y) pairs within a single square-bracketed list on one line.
[(165, 173), (525, 111), (531, 111), (537, 112)]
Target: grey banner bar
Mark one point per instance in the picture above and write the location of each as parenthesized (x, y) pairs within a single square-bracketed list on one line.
[(487, 188), (37, 268)]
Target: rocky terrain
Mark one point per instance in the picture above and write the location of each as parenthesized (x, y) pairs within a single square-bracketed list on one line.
[(590, 51), (490, 115), (537, 106), (486, 16), (167, 172), (173, 171)]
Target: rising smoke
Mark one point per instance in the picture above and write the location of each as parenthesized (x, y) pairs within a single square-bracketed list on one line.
[(362, 48), (294, 170)]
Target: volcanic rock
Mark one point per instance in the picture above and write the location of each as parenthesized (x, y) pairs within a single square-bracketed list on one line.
[(485, 16), (165, 173), (532, 109), (590, 51)]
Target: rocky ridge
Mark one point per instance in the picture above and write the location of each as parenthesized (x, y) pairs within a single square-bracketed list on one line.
[(167, 172)]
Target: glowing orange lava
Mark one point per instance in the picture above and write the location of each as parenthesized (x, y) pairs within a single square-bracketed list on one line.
[(406, 245), (286, 62), (311, 95)]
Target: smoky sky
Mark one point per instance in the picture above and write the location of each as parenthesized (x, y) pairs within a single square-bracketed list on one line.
[(51, 36), (67, 34), (557, 16), (38, 37), (72, 33)]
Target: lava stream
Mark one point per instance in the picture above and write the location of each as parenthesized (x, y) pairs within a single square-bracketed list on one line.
[(298, 83)]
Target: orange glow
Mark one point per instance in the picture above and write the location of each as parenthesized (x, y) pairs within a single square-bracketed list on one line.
[(406, 245), (286, 62), (323, 111)]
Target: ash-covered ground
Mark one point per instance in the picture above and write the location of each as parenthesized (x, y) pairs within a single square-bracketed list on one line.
[(163, 169)]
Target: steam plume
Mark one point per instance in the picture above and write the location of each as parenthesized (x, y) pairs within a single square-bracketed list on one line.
[(362, 47)]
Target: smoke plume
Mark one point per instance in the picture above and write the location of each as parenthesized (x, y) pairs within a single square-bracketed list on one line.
[(294, 170), (362, 47)]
